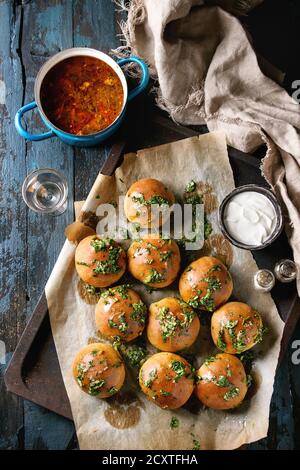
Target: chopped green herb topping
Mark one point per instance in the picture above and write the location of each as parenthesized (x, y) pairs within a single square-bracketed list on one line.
[(95, 387), (140, 198), (194, 199), (134, 355), (112, 390), (82, 263), (249, 380), (151, 377), (158, 200), (261, 332), (206, 301), (234, 392), (139, 313), (230, 326), (121, 290), (215, 267), (247, 321), (196, 443), (116, 342), (247, 358), (220, 342), (179, 368), (209, 360), (92, 289), (94, 353), (174, 423), (136, 226), (150, 246), (111, 264), (241, 341), (165, 393), (213, 283), (112, 324), (165, 255), (221, 381), (153, 277), (117, 365), (207, 228), (170, 324), (80, 374), (121, 324), (190, 187), (100, 244), (195, 302)]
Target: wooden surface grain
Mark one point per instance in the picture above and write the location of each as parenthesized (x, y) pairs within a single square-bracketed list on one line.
[(30, 32)]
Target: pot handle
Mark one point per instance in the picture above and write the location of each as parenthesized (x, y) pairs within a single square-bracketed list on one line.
[(145, 75), (22, 131)]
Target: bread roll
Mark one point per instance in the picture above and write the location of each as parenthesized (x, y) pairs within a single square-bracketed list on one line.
[(221, 382), (172, 325), (205, 284), (100, 262), (142, 196), (154, 261), (236, 327), (167, 380), (99, 370), (120, 312)]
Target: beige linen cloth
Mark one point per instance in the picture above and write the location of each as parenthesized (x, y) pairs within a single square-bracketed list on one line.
[(208, 73), (129, 420)]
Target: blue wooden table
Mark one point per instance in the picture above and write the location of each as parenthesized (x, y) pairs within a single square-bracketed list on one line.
[(30, 32)]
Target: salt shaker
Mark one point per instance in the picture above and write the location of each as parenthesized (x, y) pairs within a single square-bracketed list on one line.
[(264, 280), (285, 270)]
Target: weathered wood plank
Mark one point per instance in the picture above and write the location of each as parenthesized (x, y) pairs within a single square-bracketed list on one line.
[(294, 369), (47, 29), (281, 427), (281, 430), (12, 216), (44, 28), (94, 26)]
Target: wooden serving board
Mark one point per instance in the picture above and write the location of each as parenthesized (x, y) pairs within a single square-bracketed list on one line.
[(34, 371)]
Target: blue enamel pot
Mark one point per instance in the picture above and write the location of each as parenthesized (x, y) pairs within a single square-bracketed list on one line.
[(80, 140)]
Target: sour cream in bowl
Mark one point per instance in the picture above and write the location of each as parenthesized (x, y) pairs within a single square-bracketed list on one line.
[(250, 217)]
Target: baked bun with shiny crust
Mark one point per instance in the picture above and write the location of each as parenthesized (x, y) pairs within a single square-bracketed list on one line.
[(154, 261), (236, 327), (120, 312), (143, 195), (172, 325), (99, 370), (167, 380), (205, 284), (100, 262), (221, 382)]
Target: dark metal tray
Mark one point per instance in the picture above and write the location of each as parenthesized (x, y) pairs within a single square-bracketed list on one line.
[(34, 371)]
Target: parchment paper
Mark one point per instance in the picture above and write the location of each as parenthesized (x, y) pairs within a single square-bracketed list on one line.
[(130, 421)]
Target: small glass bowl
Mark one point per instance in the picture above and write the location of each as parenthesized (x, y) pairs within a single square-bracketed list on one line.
[(45, 191), (271, 197)]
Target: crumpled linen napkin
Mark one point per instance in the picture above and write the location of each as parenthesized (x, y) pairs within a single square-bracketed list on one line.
[(208, 73)]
